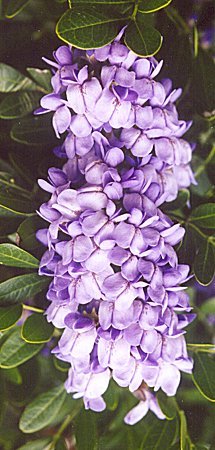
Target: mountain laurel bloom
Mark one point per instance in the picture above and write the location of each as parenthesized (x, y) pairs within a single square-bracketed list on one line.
[(117, 288)]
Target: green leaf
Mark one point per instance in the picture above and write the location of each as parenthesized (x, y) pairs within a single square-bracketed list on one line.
[(168, 405), (208, 306), (19, 104), (112, 396), (149, 6), (9, 315), (14, 7), (103, 2), (13, 256), (204, 216), (203, 375), (41, 412), (61, 365), (203, 82), (20, 395), (11, 80), (36, 329), (88, 27), (204, 264), (204, 184), (37, 444), (183, 430), (85, 427), (187, 250), (161, 436), (34, 131), (11, 206), (13, 375), (21, 288), (15, 351), (42, 77), (26, 233), (142, 38)]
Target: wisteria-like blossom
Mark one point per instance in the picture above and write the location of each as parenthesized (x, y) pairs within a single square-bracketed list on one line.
[(116, 286)]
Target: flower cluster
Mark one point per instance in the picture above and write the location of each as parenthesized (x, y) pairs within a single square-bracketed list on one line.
[(116, 281)]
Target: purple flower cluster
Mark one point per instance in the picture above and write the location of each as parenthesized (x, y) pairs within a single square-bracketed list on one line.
[(116, 281)]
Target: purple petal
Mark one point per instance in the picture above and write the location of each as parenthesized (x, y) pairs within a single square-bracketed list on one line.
[(105, 314), (83, 247), (61, 120), (75, 98), (94, 200), (97, 384), (51, 102), (137, 413), (80, 126), (124, 78), (120, 114), (149, 341), (105, 105), (91, 92)]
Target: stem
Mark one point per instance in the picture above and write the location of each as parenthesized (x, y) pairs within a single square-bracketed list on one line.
[(64, 425), (202, 167), (14, 186), (205, 236), (180, 23), (32, 308), (70, 4), (197, 349), (135, 10)]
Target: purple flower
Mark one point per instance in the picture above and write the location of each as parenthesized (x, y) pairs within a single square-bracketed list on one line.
[(117, 289), (147, 402)]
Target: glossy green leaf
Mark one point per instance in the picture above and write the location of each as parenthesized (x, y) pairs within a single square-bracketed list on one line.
[(14, 7), (37, 444), (34, 131), (11, 80), (203, 82), (19, 104), (42, 77), (15, 351), (26, 232), (21, 288), (149, 6), (161, 436), (88, 27), (85, 427), (36, 329), (42, 410), (203, 375), (167, 404), (11, 255), (204, 216), (204, 264), (9, 315), (142, 38), (13, 375), (11, 206)]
